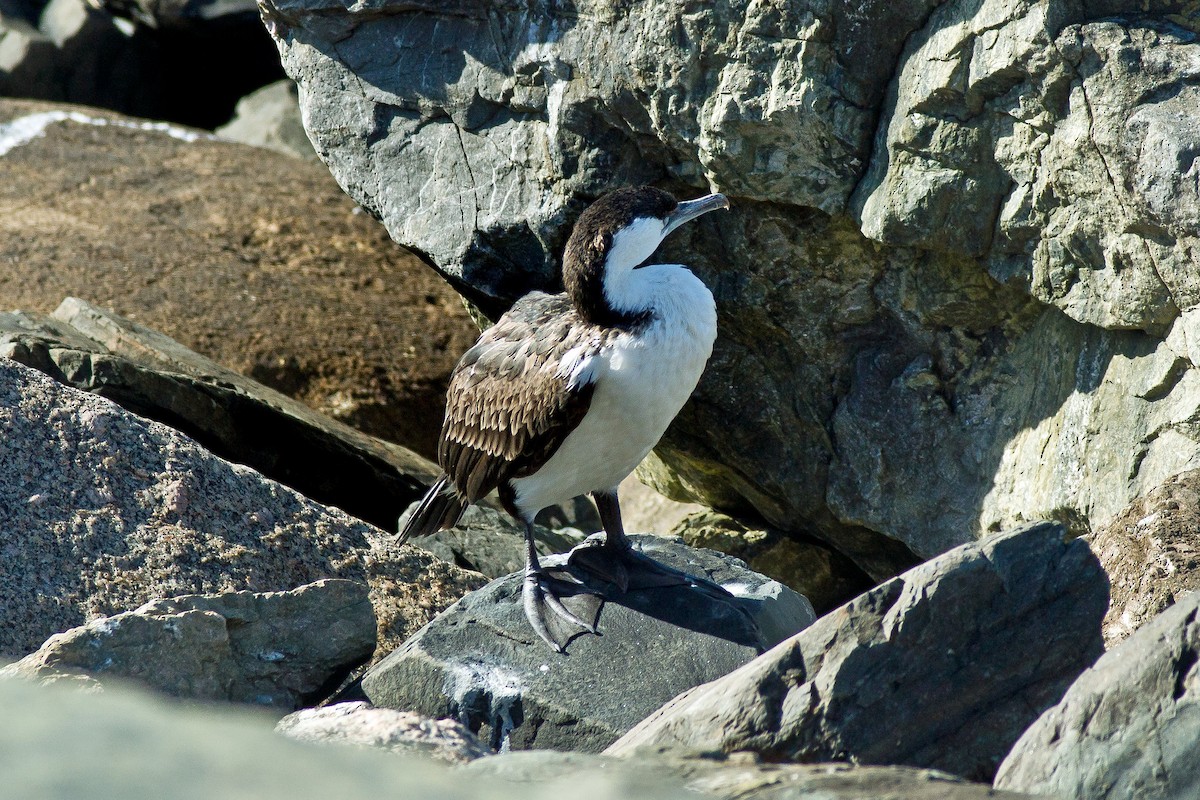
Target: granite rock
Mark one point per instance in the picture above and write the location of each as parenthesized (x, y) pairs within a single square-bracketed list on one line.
[(942, 667), (275, 649), (480, 661), (235, 417), (1128, 726), (248, 257), (104, 510)]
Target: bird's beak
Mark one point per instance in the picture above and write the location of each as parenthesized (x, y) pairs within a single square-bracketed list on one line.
[(690, 209)]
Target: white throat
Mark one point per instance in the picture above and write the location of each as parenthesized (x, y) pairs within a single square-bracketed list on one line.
[(626, 288)]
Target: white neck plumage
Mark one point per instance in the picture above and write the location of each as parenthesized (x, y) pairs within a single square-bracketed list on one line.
[(627, 289)]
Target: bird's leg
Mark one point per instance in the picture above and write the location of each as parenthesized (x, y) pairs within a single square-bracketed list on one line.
[(538, 594)]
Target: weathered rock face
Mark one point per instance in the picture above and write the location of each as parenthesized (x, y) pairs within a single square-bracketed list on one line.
[(955, 289), (277, 649), (481, 663), (1128, 727), (359, 725), (942, 667), (103, 510), (1151, 553), (247, 257)]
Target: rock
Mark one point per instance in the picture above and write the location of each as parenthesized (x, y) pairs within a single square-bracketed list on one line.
[(247, 257), (491, 542), (104, 510), (1063, 173), (1128, 726), (270, 117), (644, 509), (824, 576), (60, 744), (942, 667), (481, 663), (277, 649), (1151, 553), (740, 777), (238, 418), (359, 725), (942, 249)]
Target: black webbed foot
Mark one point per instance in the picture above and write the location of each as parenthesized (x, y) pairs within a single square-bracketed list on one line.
[(618, 563), (542, 597)]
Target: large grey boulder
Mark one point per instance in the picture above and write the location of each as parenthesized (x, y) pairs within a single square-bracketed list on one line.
[(1128, 728), (480, 661), (276, 649), (942, 667), (956, 288), (58, 745), (103, 511), (357, 724)]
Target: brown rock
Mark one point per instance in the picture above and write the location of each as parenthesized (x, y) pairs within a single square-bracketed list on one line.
[(1151, 552), (244, 255)]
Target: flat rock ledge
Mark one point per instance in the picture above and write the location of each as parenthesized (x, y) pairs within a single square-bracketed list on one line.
[(277, 649), (1129, 727), (941, 667), (481, 663)]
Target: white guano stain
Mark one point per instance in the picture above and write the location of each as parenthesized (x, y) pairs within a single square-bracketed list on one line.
[(23, 130)]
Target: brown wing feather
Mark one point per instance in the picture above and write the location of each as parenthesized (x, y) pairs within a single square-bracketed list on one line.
[(508, 409)]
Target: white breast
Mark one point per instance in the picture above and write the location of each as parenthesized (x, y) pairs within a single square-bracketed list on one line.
[(641, 382)]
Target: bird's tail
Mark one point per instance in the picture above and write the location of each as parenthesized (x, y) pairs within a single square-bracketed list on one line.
[(441, 508)]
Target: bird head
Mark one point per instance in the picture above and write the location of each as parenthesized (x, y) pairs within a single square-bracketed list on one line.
[(614, 236)]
